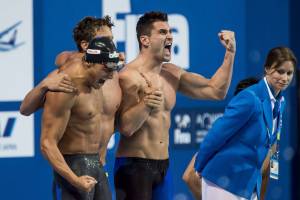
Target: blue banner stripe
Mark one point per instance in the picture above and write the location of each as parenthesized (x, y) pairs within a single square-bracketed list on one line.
[(9, 126), (10, 105), (58, 191)]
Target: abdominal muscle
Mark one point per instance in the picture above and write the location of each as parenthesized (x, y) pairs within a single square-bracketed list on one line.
[(150, 141), (86, 136)]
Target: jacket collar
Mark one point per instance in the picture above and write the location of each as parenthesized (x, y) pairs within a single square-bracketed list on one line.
[(263, 93)]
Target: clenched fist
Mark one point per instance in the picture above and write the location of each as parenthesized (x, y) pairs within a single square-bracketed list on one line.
[(85, 183), (227, 39)]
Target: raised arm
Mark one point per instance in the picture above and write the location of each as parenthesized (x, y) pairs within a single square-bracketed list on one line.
[(197, 86), (57, 111)]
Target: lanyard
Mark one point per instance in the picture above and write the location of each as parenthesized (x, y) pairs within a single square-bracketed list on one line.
[(269, 134)]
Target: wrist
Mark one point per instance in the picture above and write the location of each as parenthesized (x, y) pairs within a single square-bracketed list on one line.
[(74, 180), (146, 107), (230, 50), (44, 86)]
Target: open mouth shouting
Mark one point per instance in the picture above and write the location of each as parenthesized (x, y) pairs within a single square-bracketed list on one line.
[(99, 83), (168, 47), (167, 51)]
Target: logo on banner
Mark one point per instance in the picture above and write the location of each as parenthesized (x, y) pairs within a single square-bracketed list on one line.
[(190, 125), (125, 31), (203, 123), (7, 128), (8, 38), (16, 138), (16, 49), (181, 136)]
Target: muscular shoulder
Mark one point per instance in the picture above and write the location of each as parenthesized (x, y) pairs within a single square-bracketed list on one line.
[(58, 102), (129, 77), (172, 69), (172, 74), (75, 71), (67, 56)]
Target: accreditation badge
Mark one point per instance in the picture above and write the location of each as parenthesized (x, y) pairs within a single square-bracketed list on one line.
[(274, 167), (274, 161)]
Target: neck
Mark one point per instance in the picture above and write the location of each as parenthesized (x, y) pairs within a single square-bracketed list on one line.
[(274, 92), (88, 74), (149, 63)]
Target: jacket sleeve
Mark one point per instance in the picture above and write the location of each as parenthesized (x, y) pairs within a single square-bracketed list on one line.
[(236, 115)]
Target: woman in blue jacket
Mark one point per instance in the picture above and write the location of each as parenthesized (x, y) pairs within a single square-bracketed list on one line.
[(231, 156)]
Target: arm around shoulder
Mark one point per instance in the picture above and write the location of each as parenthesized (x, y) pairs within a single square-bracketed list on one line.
[(34, 99), (54, 82)]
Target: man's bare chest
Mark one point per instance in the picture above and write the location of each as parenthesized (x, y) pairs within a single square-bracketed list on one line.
[(166, 86), (97, 103)]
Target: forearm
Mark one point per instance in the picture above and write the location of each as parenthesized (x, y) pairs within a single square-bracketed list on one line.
[(134, 118), (195, 187), (192, 179), (57, 161), (264, 185), (34, 99), (222, 78), (265, 174), (102, 154)]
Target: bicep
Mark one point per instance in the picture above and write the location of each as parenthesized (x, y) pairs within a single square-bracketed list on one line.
[(130, 93), (57, 110), (196, 86)]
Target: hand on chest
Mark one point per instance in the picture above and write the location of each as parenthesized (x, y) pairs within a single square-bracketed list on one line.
[(157, 90)]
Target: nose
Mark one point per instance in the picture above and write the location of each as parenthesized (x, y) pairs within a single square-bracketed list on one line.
[(110, 74), (285, 77), (170, 36)]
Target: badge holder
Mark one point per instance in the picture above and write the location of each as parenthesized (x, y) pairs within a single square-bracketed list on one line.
[(274, 161)]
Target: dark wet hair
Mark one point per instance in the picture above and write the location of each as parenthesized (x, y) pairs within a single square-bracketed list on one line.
[(279, 55), (87, 27), (243, 84), (145, 23)]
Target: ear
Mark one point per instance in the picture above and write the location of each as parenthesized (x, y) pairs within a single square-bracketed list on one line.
[(268, 71), (271, 69), (84, 45), (88, 65), (145, 41)]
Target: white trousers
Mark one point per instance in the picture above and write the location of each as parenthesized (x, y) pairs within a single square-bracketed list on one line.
[(211, 191)]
